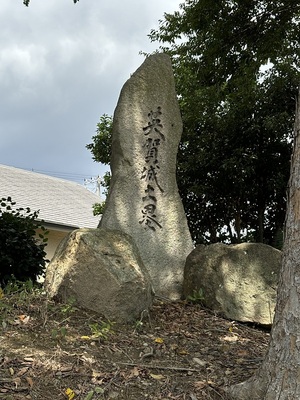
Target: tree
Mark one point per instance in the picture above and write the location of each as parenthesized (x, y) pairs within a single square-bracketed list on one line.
[(26, 2), (101, 142), (101, 152), (22, 256), (233, 161), (278, 376)]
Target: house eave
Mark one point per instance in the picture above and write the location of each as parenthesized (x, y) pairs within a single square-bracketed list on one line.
[(58, 227)]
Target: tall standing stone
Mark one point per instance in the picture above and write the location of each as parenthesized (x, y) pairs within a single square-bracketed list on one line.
[(143, 200)]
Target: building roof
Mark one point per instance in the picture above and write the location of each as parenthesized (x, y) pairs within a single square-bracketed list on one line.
[(60, 202)]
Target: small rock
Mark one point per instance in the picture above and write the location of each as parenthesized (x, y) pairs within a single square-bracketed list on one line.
[(202, 363)]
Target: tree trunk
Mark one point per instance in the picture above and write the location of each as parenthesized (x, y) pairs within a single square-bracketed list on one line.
[(278, 378)]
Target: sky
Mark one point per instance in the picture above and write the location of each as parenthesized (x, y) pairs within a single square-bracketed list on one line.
[(62, 66)]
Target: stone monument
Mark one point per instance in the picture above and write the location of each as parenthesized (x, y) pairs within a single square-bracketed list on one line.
[(143, 199)]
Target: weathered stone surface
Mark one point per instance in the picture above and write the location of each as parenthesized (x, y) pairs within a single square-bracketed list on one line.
[(143, 200), (238, 281), (103, 272)]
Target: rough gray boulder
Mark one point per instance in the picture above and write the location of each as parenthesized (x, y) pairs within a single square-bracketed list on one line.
[(237, 281), (102, 271), (143, 199)]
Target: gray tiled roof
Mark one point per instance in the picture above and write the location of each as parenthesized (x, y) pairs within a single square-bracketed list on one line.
[(59, 201)]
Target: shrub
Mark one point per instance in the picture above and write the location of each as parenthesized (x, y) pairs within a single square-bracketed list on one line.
[(22, 255)]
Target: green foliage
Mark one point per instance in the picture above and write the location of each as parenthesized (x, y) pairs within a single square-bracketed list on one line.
[(197, 296), (237, 69), (16, 295), (97, 390), (101, 145), (21, 288), (98, 208), (101, 331), (59, 333), (139, 324), (68, 307), (22, 255), (26, 2), (107, 177), (101, 152)]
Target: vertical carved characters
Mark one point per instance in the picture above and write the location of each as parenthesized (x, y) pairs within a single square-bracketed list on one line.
[(150, 174)]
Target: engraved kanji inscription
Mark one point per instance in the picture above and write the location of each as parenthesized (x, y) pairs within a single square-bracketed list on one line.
[(154, 123), (151, 169)]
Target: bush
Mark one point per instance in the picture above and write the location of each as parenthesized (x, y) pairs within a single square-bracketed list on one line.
[(22, 255)]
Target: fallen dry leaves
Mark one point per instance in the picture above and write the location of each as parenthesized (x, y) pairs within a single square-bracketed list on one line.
[(180, 351)]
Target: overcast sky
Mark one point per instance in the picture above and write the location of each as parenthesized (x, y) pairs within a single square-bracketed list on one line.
[(61, 67)]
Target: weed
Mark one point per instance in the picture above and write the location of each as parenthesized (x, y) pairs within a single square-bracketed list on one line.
[(101, 331), (197, 296), (68, 307), (5, 310), (15, 296), (59, 333), (139, 324)]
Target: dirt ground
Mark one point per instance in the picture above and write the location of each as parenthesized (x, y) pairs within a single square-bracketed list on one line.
[(178, 350)]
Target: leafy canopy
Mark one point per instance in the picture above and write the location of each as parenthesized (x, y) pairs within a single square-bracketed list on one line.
[(26, 2), (22, 255), (101, 142), (236, 65), (101, 152)]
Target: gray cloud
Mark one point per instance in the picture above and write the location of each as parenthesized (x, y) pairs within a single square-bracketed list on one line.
[(61, 67)]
